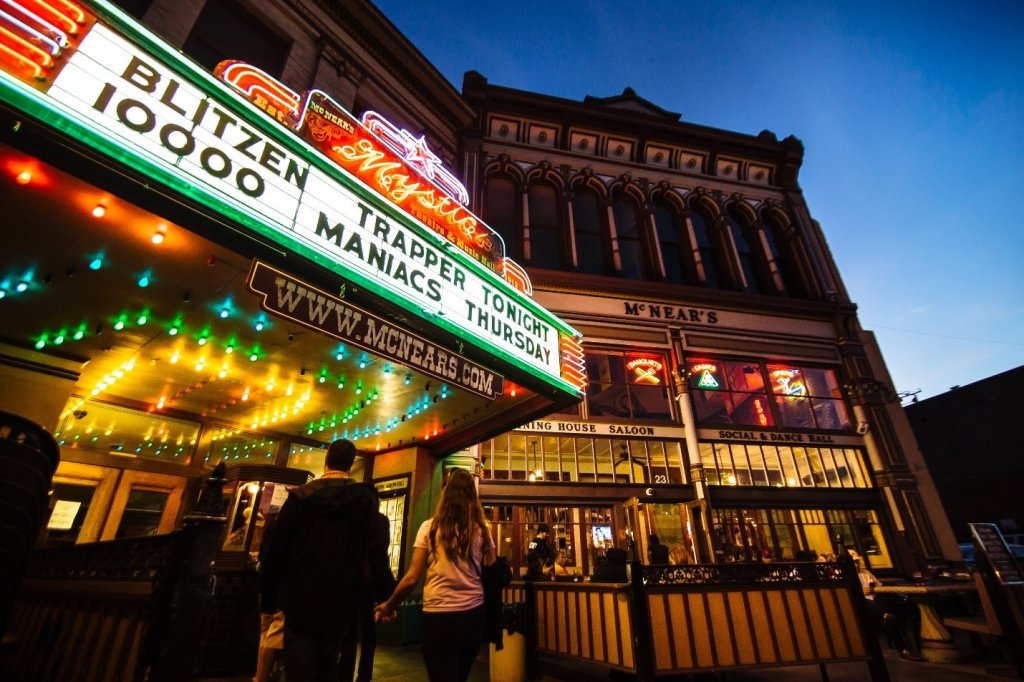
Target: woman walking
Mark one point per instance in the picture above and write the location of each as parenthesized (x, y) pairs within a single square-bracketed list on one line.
[(451, 550)]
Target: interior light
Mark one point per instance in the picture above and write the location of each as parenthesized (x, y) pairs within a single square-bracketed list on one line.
[(24, 177), (99, 211)]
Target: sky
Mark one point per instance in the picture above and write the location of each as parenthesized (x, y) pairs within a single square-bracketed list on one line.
[(911, 115)]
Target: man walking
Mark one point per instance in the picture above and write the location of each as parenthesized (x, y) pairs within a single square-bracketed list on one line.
[(324, 552)]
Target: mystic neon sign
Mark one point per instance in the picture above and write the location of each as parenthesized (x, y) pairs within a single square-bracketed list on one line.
[(192, 135)]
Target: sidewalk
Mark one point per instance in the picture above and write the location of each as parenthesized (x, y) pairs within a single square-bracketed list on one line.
[(404, 664)]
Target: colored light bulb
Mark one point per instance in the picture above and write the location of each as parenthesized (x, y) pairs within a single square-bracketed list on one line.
[(259, 325), (224, 312), (119, 325), (96, 263), (143, 281), (21, 286)]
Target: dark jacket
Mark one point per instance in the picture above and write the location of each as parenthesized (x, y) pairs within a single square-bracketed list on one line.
[(658, 553), (327, 548), (613, 569)]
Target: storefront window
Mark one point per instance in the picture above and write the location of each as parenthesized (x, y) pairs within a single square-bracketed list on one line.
[(534, 457), (783, 466), (627, 385), (798, 534), (808, 398), (735, 392), (726, 392)]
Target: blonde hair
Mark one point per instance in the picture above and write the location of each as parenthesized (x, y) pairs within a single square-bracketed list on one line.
[(458, 516)]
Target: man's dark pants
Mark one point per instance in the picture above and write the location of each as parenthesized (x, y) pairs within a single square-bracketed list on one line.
[(311, 656)]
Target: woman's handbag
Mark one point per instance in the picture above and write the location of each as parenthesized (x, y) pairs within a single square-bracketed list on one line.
[(494, 578)]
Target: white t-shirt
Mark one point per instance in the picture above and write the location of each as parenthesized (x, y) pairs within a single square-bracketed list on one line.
[(451, 586)]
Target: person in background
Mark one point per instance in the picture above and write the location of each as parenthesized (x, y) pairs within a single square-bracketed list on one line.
[(321, 556), (539, 544), (451, 550), (677, 555), (535, 567), (613, 568), (882, 616), (561, 566), (657, 553)]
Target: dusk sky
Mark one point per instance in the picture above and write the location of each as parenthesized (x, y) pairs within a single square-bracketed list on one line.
[(911, 114)]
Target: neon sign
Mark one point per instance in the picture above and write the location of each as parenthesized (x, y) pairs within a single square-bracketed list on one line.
[(152, 110), (645, 370), (390, 159), (706, 371), (787, 382)]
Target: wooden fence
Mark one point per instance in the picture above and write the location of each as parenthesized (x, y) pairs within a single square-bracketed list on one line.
[(673, 620)]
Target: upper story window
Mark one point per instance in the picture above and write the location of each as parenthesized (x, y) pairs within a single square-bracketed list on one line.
[(226, 30), (545, 226), (674, 242), (628, 385), (751, 257), (750, 393), (590, 223), (808, 398), (630, 234), (711, 257), (502, 212), (729, 392), (781, 251)]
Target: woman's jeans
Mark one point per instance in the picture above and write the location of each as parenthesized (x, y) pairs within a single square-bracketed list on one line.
[(451, 642)]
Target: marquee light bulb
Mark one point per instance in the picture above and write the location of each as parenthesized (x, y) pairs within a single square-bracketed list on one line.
[(173, 331), (224, 312), (96, 263), (143, 281), (119, 325), (3, 292), (21, 286), (259, 325), (158, 237), (202, 341), (99, 211), (24, 177)]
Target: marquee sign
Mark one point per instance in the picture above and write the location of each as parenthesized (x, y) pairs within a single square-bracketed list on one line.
[(293, 299), (343, 198)]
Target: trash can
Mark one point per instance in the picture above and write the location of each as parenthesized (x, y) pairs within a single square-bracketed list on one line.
[(28, 458), (509, 664)]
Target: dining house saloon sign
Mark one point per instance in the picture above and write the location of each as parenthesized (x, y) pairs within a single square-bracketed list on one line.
[(148, 107)]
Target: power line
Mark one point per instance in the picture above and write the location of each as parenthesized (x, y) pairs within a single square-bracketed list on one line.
[(947, 336)]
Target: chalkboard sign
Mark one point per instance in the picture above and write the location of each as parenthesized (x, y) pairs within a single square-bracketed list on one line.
[(988, 538)]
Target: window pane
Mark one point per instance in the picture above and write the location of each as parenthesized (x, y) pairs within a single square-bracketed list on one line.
[(591, 233), (142, 513), (501, 211), (705, 247), (545, 227), (629, 231), (671, 243), (795, 412)]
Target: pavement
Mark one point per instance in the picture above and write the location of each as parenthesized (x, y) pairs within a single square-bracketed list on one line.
[(404, 664)]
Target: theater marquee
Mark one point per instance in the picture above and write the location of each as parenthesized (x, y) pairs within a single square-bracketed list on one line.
[(132, 98)]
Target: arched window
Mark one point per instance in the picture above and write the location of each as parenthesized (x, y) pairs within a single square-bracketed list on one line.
[(782, 253), (502, 212), (629, 231), (710, 256), (545, 226), (591, 225), (674, 240), (752, 258)]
